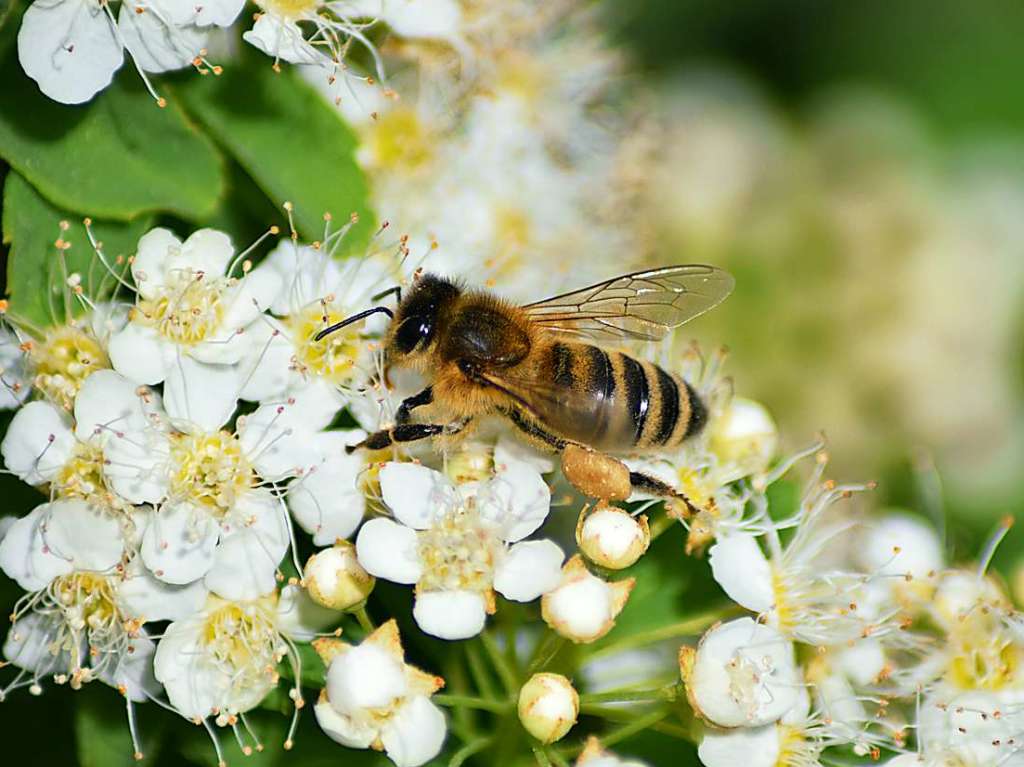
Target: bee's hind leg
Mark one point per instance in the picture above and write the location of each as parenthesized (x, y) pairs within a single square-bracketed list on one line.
[(408, 432)]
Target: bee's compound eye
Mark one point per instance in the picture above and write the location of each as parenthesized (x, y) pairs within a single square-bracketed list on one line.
[(413, 330)]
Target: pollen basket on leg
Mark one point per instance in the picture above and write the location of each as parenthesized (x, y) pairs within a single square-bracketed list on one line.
[(457, 552), (210, 470), (189, 307)]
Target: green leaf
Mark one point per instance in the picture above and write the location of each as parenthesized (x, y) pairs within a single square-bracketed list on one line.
[(31, 226), (117, 157), (101, 730), (289, 140)]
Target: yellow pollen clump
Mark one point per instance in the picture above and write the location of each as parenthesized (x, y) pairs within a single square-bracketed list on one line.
[(399, 140), (189, 308), (66, 357), (983, 656), (332, 358), (210, 470), (457, 553), (82, 476)]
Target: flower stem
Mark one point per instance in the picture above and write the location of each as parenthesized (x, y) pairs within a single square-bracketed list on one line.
[(613, 714), (545, 653), (667, 693), (364, 620), (639, 724), (468, 750), (688, 627), (471, 701), (541, 757), (481, 674), (501, 665), (557, 758)]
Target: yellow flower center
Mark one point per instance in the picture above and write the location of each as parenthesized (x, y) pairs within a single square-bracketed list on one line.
[(983, 656), (82, 476), (188, 308), (332, 358), (473, 462), (457, 552), (66, 357), (243, 637), (210, 470), (399, 140), (87, 600), (794, 749), (290, 9)]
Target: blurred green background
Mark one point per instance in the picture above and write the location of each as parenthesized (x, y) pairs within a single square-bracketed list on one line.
[(869, 196)]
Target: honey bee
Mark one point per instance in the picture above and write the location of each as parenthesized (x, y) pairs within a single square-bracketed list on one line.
[(550, 369)]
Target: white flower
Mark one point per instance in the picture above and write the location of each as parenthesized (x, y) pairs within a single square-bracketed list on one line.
[(975, 727), (223, 659), (742, 674), (43, 446), (460, 544), (581, 606), (548, 706), (83, 617), (373, 698), (428, 19), (191, 319)]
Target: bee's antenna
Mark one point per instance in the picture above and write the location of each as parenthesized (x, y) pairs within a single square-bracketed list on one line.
[(354, 318), (397, 290)]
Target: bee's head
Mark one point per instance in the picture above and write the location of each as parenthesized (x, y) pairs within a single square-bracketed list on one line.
[(420, 314)]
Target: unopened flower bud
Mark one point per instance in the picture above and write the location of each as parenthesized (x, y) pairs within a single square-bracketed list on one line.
[(583, 607), (548, 706), (745, 436), (335, 579), (612, 537)]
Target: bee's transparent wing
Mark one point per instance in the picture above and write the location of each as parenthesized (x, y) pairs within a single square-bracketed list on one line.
[(642, 306)]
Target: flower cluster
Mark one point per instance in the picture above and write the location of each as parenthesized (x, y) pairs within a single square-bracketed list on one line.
[(183, 435)]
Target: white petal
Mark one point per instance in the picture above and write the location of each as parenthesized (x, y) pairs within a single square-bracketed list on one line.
[(82, 535), (450, 614), (528, 570), (139, 353), (207, 251), (193, 682), (15, 384), (156, 46), (220, 12), (900, 544), (388, 550), (249, 297), (365, 677), (135, 465), (246, 559), (266, 366), (152, 258), (327, 501), (518, 499), (69, 48), (343, 729), (428, 19), (748, 746), (200, 396), (144, 596), (741, 569), (22, 550), (414, 493), (107, 402), (509, 452), (281, 39), (179, 543), (415, 733), (133, 670), (27, 643), (38, 443)]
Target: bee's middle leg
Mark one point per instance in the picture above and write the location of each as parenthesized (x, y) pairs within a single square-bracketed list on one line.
[(404, 413), (408, 432)]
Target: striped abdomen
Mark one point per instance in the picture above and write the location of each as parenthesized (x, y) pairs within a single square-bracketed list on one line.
[(615, 402)]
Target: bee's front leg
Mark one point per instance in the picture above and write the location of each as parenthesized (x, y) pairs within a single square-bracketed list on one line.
[(409, 404), (408, 432)]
